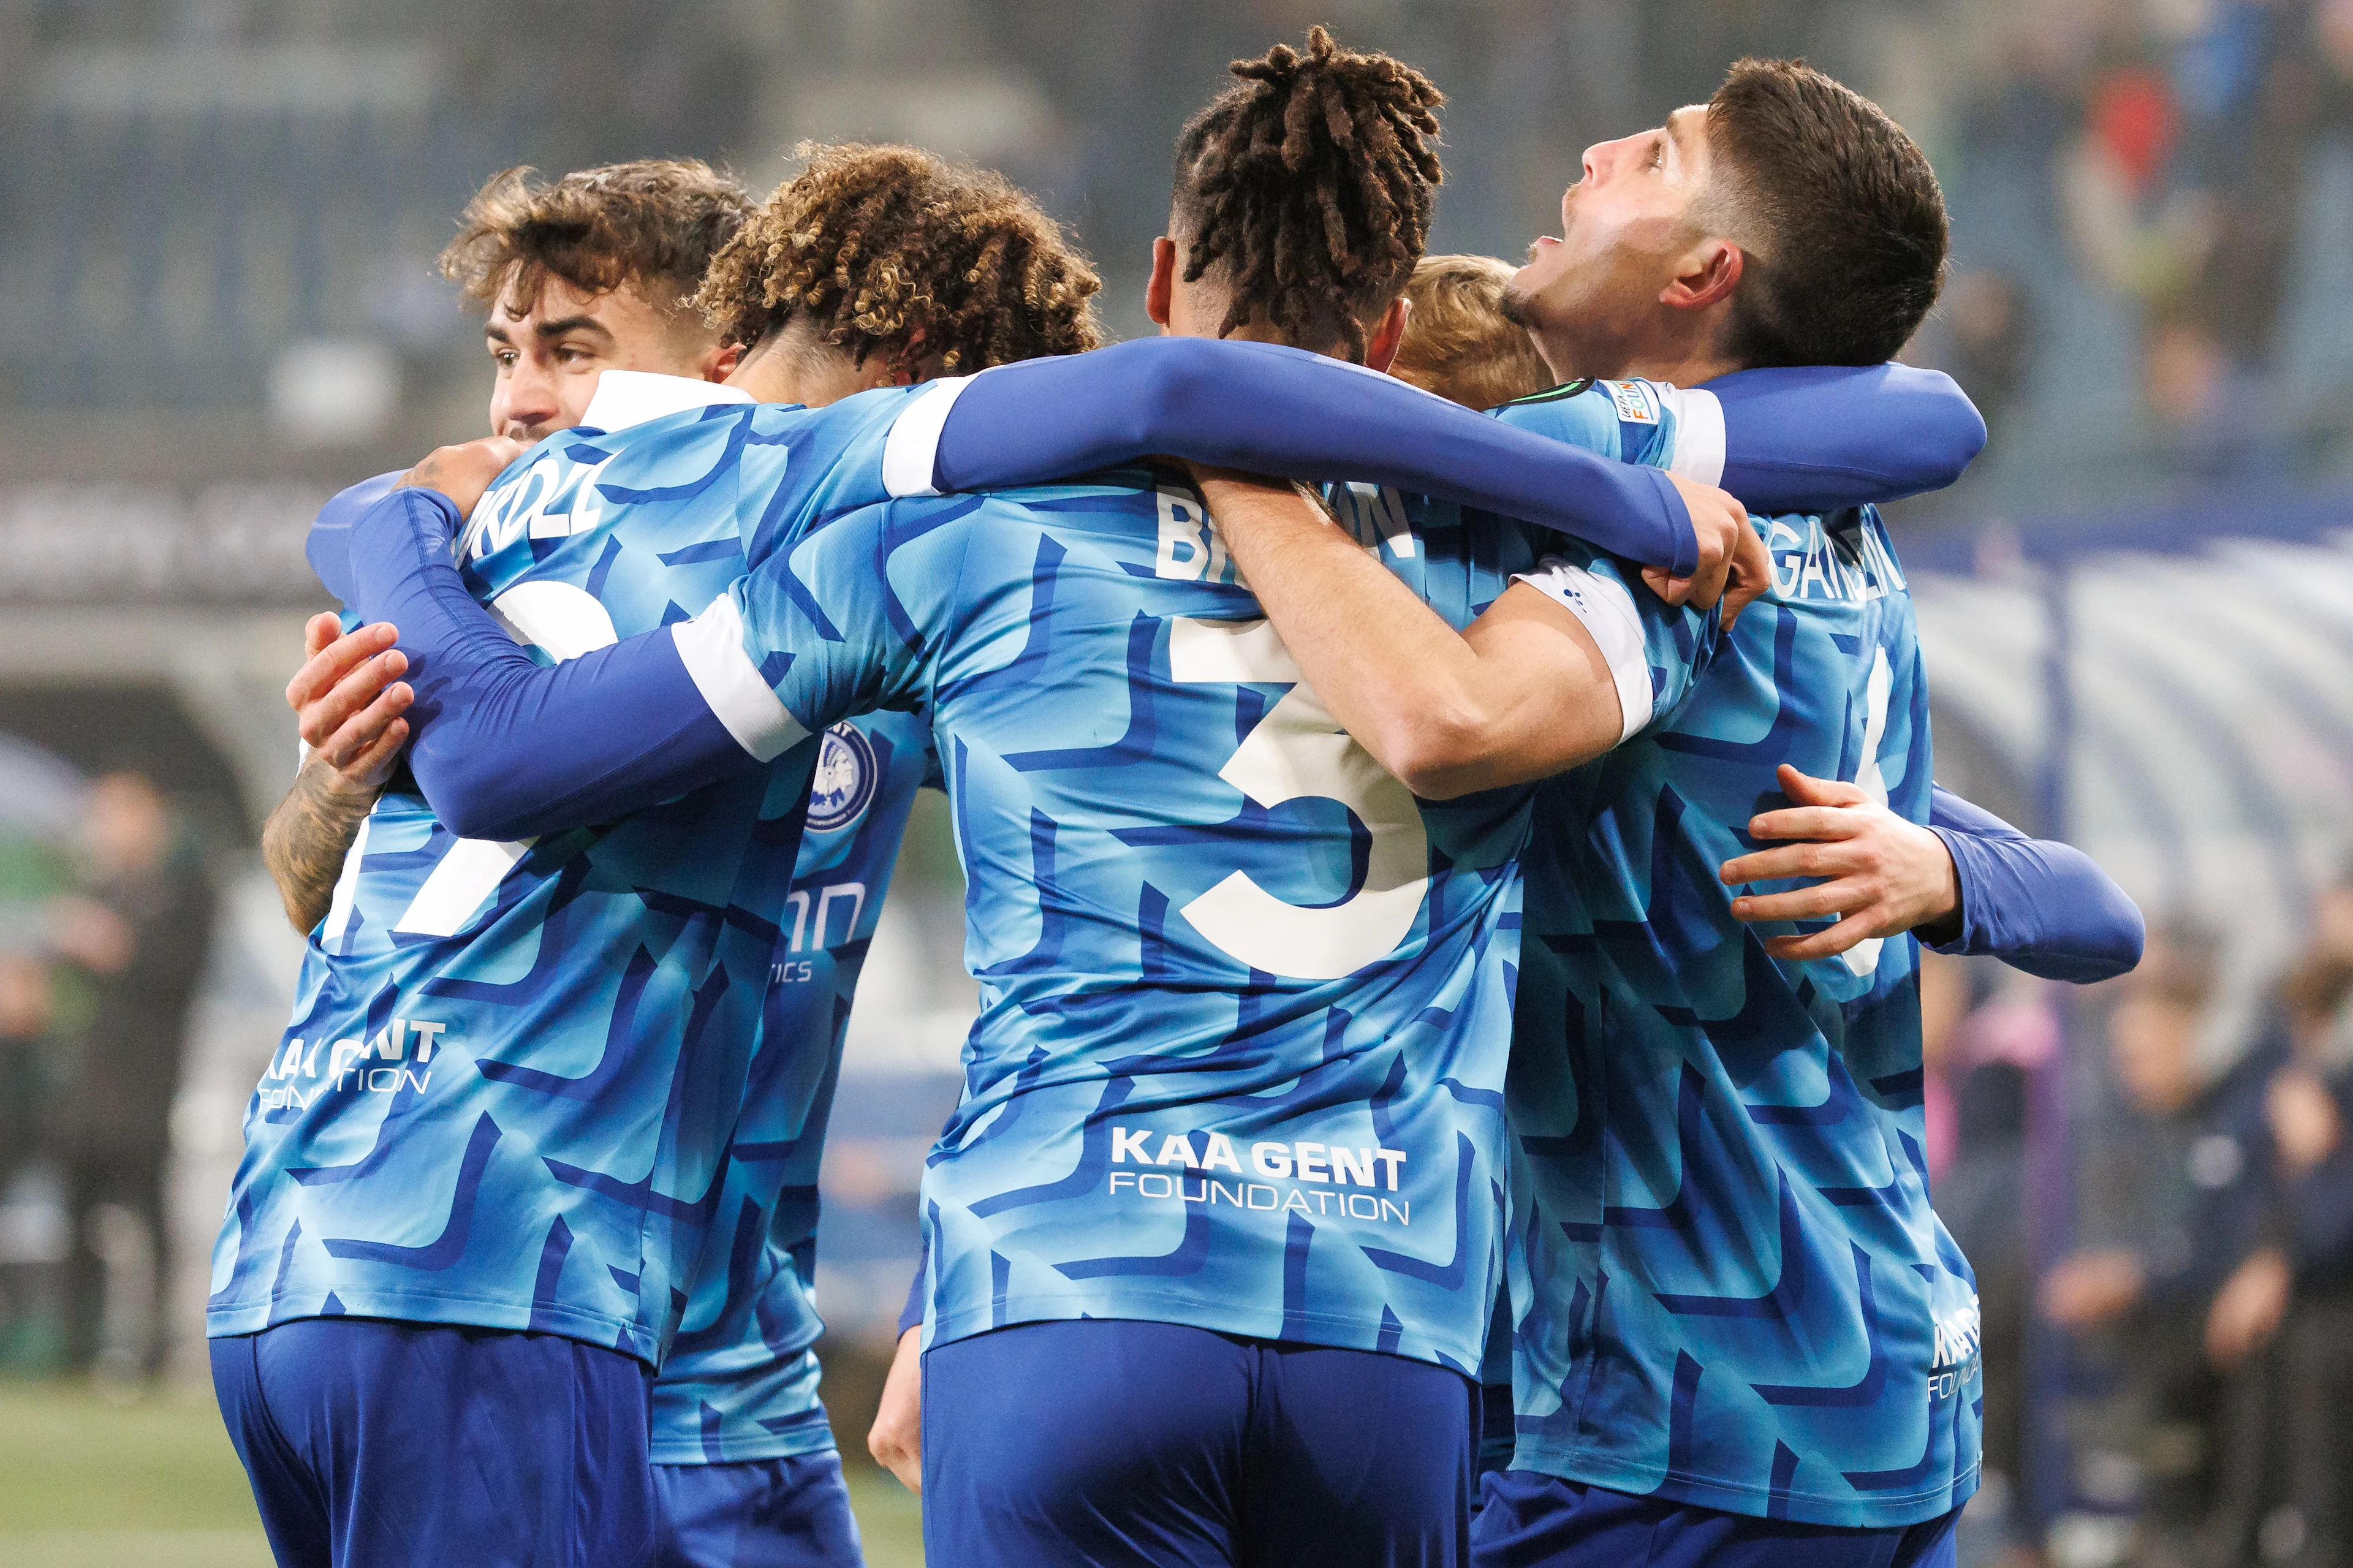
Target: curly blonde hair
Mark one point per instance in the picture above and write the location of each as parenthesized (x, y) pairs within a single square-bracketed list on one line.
[(891, 250)]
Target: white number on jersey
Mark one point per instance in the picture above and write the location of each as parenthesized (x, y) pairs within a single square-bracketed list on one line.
[(1299, 751)]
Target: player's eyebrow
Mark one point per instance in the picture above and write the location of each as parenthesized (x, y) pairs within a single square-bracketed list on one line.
[(1676, 123), (562, 324)]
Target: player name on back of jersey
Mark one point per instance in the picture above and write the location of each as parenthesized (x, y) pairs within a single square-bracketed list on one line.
[(1844, 556)]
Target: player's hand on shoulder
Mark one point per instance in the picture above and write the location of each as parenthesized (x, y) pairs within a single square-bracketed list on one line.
[(464, 472), (1733, 565), (348, 700), (1879, 875)]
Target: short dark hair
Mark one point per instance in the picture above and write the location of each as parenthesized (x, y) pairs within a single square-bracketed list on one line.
[(873, 243), (1845, 213), (654, 223), (1313, 181)]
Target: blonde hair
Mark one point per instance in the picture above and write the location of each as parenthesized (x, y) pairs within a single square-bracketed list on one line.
[(1458, 343)]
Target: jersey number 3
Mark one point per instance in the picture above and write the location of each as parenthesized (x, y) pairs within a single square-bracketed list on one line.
[(1298, 751)]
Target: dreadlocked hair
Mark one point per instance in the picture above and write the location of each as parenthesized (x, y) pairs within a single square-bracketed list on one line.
[(875, 244), (1312, 182)]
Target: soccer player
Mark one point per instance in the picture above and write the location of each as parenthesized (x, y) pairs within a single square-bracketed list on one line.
[(550, 1196), (592, 272), (1741, 1330), (1114, 933)]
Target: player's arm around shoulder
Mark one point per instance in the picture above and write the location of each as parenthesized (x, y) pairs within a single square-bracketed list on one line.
[(1535, 686)]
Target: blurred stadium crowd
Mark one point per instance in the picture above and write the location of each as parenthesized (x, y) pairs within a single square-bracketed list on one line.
[(219, 302)]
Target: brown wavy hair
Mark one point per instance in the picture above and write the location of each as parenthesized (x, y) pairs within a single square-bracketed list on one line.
[(655, 222), (1312, 182), (875, 244)]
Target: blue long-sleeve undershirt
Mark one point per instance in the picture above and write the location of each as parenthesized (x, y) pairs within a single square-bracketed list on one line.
[(507, 749), (2037, 905)]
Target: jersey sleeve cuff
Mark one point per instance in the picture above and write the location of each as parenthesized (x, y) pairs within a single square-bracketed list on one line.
[(710, 645), (1699, 435), (1607, 611), (911, 451)]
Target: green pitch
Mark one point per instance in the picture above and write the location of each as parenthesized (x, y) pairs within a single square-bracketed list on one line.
[(89, 1483)]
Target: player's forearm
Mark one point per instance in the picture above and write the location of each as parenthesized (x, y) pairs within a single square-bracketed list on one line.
[(1443, 717), (2040, 905), (305, 841), (507, 749), (1817, 438), (1271, 410)]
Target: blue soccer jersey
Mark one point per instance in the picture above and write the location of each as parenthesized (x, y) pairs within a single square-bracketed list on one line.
[(1244, 1000), (1729, 1286), (507, 1093), (742, 1379)]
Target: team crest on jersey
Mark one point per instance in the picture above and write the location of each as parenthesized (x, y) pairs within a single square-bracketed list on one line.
[(845, 781), (1634, 403)]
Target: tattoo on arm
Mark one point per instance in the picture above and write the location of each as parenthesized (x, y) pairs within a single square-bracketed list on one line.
[(306, 838)]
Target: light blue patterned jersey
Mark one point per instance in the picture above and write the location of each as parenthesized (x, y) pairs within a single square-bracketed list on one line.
[(1244, 1002), (507, 1093), (1731, 1290), (1634, 421), (742, 1379)]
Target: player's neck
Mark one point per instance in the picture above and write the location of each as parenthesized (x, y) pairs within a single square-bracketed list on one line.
[(1687, 369), (1670, 347)]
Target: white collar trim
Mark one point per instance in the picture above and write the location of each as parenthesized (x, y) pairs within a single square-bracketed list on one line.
[(627, 397)]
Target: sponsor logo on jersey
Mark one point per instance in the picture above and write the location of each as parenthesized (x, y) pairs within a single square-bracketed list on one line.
[(394, 1060), (1956, 1335), (845, 781), (1324, 1165), (1635, 405)]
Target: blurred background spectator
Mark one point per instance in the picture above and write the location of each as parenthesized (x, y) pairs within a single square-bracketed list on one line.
[(138, 929)]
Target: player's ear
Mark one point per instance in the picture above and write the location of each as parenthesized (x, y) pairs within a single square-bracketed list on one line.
[(721, 362), (1381, 344), (1706, 273), (1162, 289)]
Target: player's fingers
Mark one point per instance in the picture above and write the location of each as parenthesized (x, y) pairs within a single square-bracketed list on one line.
[(1847, 895), (1671, 590), (1807, 789), (1707, 581), (1828, 943), (1783, 861), (339, 725), (1752, 573), (372, 765), (359, 734), (318, 631), (354, 692), (1825, 822), (322, 669)]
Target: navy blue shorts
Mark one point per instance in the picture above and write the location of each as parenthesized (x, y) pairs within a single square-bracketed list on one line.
[(1156, 1445), (381, 1445), (1534, 1520), (757, 1513)]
